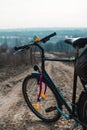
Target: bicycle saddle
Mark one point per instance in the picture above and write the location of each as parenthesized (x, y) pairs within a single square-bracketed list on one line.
[(77, 42)]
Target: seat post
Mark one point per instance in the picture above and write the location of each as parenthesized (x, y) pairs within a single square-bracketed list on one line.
[(75, 82), (77, 52)]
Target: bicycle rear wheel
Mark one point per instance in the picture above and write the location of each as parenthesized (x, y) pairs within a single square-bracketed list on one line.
[(82, 108), (45, 107)]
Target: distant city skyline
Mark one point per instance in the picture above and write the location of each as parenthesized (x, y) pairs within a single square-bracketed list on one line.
[(43, 13)]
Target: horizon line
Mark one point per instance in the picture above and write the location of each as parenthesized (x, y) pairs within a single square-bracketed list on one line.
[(20, 28)]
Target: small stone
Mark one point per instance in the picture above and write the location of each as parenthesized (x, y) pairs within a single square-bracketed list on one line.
[(56, 126)]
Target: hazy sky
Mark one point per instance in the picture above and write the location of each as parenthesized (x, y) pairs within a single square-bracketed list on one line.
[(43, 13)]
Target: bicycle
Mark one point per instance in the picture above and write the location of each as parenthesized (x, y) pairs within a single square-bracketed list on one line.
[(44, 98)]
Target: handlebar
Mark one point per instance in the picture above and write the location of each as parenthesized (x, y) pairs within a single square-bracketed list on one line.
[(21, 47), (43, 40)]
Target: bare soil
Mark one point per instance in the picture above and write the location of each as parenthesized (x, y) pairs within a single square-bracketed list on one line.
[(14, 113)]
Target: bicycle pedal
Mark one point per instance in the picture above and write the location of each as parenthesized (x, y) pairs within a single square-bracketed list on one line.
[(36, 106), (52, 108), (75, 125), (43, 95)]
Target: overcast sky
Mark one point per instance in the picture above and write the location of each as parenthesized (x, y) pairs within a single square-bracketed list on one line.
[(43, 13)]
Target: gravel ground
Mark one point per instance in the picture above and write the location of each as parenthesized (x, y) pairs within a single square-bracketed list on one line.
[(14, 113)]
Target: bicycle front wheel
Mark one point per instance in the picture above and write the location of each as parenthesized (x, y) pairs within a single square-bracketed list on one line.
[(44, 108)]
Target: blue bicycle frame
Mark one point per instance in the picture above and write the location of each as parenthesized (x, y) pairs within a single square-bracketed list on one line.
[(72, 112)]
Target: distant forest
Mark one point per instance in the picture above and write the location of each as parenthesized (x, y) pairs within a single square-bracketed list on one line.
[(17, 37)]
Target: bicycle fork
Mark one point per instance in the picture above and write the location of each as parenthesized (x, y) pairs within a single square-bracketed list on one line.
[(41, 94)]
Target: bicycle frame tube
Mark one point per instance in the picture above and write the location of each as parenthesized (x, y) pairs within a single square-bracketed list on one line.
[(74, 83), (42, 57), (60, 96)]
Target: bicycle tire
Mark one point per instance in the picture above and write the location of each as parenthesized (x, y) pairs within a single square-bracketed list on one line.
[(43, 104), (82, 108)]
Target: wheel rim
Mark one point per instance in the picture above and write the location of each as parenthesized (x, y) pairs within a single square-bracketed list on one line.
[(85, 114), (85, 111), (47, 100)]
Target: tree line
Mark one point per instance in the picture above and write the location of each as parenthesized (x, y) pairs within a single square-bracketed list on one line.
[(7, 57)]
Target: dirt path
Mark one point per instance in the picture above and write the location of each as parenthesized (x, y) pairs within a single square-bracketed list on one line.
[(14, 113)]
